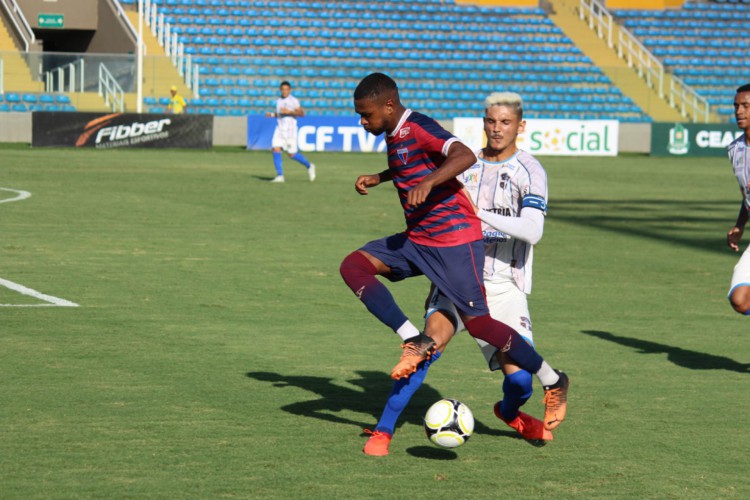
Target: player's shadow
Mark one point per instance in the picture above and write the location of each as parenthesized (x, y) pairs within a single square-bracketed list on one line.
[(686, 358), (368, 397), (266, 178)]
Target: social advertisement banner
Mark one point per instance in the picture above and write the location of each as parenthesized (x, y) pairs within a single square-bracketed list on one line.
[(121, 130), (551, 137), (317, 133), (692, 139)]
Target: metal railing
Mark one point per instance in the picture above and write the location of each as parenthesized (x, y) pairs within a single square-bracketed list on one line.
[(600, 20), (66, 78), (110, 90), (641, 60), (125, 19), (167, 38), (14, 11), (681, 96)]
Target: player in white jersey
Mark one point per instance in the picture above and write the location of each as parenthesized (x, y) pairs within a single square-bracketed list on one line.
[(509, 188), (288, 109), (739, 291)]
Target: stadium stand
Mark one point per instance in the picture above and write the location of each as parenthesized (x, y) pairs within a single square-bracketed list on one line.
[(702, 43), (24, 102), (245, 48)]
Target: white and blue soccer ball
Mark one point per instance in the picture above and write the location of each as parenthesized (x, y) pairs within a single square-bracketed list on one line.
[(448, 423)]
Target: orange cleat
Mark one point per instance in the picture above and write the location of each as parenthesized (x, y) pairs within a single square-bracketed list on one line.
[(415, 350), (377, 445), (556, 402), (527, 426)]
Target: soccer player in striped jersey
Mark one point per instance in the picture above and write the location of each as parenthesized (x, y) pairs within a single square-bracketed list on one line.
[(442, 240), (739, 291), (509, 188), (288, 109)]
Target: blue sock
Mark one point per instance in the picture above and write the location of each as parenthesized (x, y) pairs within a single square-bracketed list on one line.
[(403, 390), (298, 157), (517, 390), (277, 162)]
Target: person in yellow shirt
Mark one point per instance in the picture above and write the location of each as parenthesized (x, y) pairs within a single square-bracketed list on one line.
[(177, 104)]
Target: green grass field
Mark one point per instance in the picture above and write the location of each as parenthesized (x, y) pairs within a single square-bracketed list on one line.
[(217, 353)]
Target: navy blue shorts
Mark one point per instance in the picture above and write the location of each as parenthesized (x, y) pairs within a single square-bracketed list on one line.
[(456, 271)]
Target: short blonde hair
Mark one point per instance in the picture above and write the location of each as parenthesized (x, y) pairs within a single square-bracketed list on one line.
[(510, 99)]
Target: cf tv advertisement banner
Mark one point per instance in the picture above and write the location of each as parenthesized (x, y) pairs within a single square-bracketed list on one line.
[(317, 133), (121, 130), (551, 137), (692, 139)]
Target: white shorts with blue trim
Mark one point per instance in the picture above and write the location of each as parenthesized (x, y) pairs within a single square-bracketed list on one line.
[(741, 274), (507, 304)]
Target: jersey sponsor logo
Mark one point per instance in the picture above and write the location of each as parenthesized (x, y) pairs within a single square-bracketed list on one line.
[(500, 210), (471, 178), (403, 154), (404, 132)]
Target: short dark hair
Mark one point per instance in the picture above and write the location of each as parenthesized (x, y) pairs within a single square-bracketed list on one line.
[(744, 88), (285, 83), (375, 85)]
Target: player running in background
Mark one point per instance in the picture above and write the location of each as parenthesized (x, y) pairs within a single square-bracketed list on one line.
[(739, 291), (509, 187), (288, 109), (442, 240)]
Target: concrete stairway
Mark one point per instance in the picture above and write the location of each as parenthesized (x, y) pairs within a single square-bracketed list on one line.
[(16, 73), (159, 74), (566, 17)]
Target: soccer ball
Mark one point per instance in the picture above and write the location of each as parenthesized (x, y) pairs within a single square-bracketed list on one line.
[(448, 423)]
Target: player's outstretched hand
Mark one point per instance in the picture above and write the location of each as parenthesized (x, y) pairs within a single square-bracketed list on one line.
[(733, 238), (366, 181), (471, 200), (419, 194)]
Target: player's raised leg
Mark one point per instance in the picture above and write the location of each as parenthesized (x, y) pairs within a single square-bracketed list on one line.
[(381, 258)]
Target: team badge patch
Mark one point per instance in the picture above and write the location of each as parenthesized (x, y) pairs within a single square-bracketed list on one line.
[(403, 154)]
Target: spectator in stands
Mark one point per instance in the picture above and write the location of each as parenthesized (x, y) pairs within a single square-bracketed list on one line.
[(288, 109), (177, 103)]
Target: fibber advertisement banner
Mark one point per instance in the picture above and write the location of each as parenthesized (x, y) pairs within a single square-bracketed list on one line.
[(121, 130), (692, 139)]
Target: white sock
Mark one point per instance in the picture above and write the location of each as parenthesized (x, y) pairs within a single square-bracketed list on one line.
[(407, 330), (546, 375)]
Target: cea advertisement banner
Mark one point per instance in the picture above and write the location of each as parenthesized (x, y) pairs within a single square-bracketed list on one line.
[(317, 133), (551, 137), (692, 139), (121, 130)]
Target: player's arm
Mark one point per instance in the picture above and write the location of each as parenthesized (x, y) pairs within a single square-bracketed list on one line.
[(458, 159), (735, 234), (366, 181), (528, 226)]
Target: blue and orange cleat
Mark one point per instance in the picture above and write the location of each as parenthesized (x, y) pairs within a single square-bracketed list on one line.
[(415, 350), (377, 445), (556, 402)]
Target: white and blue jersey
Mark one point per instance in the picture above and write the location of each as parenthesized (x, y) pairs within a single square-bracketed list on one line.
[(505, 188), (738, 155)]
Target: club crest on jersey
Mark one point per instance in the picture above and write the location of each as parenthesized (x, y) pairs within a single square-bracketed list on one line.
[(403, 155), (404, 132)]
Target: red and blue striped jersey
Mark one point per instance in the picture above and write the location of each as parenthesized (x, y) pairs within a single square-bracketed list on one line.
[(417, 147)]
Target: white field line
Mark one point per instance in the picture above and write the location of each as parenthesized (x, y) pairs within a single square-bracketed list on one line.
[(52, 301), (22, 195)]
